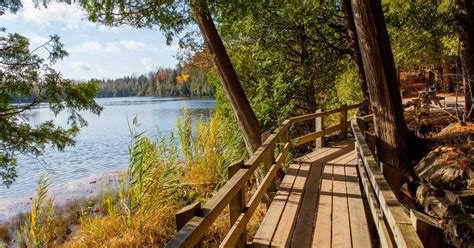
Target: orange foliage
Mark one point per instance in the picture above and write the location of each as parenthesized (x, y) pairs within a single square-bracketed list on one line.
[(181, 79)]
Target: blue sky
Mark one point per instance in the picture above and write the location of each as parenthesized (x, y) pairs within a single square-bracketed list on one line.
[(95, 50)]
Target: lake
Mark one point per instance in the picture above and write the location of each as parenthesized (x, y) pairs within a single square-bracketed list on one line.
[(102, 146)]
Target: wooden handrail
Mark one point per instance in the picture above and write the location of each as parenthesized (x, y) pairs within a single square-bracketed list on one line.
[(333, 111), (194, 230), (398, 222)]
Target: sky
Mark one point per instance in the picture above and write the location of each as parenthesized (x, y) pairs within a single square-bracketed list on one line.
[(95, 50)]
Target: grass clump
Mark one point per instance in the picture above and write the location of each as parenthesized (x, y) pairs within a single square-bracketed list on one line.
[(162, 177), (160, 180)]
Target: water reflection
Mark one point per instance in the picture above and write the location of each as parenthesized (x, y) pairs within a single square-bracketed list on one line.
[(102, 146)]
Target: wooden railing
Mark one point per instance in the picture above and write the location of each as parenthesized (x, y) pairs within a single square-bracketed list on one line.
[(394, 226), (193, 221)]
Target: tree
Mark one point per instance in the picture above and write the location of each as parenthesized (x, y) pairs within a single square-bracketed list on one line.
[(287, 57), (423, 34), (173, 18), (24, 74), (355, 51), (393, 136), (466, 46)]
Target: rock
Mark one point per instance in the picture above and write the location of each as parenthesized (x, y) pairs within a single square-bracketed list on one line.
[(449, 178), (461, 231)]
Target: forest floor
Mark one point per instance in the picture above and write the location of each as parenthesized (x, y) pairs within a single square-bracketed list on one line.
[(446, 173)]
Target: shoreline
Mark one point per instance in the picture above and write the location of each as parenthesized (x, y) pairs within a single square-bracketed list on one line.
[(70, 191)]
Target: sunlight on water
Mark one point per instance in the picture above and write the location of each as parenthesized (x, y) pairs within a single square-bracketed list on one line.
[(102, 146)]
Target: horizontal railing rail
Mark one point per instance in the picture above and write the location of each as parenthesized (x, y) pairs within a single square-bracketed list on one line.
[(193, 221), (393, 225)]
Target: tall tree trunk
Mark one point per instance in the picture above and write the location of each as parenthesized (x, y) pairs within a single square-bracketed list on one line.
[(393, 136), (355, 51), (466, 47), (248, 122)]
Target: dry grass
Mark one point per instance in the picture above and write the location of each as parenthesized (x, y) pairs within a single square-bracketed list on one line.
[(140, 213)]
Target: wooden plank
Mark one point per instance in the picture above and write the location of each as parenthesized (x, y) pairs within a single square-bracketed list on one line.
[(399, 222), (268, 162), (383, 231), (306, 217), (239, 226), (322, 231), (314, 156), (343, 120), (327, 153), (341, 232), (196, 228), (268, 157), (267, 228), (431, 234), (328, 112), (312, 136), (319, 126), (360, 234), (283, 234), (236, 205), (186, 214)]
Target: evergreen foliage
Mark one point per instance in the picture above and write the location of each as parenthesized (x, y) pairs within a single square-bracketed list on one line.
[(25, 74), (181, 81)]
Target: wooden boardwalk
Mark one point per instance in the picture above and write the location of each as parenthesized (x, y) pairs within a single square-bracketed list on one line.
[(319, 203)]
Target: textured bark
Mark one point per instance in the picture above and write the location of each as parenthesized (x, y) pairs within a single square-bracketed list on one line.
[(246, 119), (466, 47), (393, 136), (355, 51)]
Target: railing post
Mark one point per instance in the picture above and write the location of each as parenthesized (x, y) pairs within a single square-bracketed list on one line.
[(283, 136), (268, 159), (186, 214), (343, 121), (237, 205), (319, 124)]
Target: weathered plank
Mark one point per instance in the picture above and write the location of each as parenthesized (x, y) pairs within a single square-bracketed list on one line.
[(239, 226), (385, 237), (398, 220), (327, 112), (306, 217), (431, 234), (195, 229), (322, 231), (328, 153), (319, 126), (341, 232), (312, 136), (186, 214), (358, 222), (343, 120), (236, 205), (284, 232), (267, 228)]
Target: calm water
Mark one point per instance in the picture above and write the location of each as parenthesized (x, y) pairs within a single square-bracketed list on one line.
[(102, 146)]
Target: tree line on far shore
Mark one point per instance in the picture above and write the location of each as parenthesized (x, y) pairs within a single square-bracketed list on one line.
[(179, 81)]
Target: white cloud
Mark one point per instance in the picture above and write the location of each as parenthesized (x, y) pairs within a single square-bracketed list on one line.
[(147, 63), (87, 46), (69, 16), (111, 47), (79, 66), (135, 45)]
